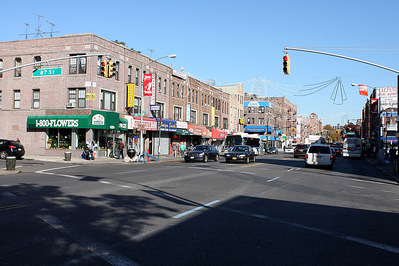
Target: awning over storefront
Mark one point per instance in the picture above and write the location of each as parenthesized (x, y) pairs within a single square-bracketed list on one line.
[(218, 134), (255, 129), (199, 131), (390, 139), (167, 125), (97, 120), (183, 132), (123, 124), (149, 123)]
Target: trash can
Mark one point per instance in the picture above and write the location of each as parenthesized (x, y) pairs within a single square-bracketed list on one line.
[(68, 155), (10, 163), (131, 153)]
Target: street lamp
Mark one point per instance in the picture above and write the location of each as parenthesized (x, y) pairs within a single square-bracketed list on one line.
[(142, 97), (379, 155)]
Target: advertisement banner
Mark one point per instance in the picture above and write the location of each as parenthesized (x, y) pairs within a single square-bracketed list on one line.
[(130, 95), (374, 106), (388, 96), (363, 90), (148, 84)]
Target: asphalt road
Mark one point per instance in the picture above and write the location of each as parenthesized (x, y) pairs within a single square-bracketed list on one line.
[(271, 212)]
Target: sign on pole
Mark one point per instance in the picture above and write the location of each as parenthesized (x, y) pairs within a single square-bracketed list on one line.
[(47, 72), (148, 84)]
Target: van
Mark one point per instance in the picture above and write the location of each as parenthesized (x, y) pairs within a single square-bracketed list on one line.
[(352, 147)]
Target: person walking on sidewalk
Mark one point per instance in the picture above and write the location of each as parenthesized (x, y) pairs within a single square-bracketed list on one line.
[(121, 148), (174, 149), (182, 148)]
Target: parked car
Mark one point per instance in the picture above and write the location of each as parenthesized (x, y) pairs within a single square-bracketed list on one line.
[(300, 150), (289, 149), (11, 148), (271, 150), (243, 153), (319, 155), (202, 153)]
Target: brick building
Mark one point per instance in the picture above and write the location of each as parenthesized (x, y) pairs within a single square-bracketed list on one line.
[(58, 105)]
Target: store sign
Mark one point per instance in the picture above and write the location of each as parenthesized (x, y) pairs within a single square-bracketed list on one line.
[(98, 120), (130, 95), (57, 123), (148, 84)]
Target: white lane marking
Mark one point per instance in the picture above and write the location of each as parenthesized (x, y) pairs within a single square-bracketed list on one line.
[(272, 179), (51, 169), (105, 182), (365, 181), (355, 187), (131, 172), (194, 210), (298, 169), (289, 170)]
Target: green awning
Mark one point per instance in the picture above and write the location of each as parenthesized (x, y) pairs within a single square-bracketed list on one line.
[(184, 132), (123, 124)]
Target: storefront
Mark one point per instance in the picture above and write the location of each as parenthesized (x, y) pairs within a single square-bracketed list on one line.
[(163, 142), (135, 126), (218, 137), (71, 132)]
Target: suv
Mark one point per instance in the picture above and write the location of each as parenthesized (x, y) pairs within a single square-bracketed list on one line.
[(319, 155), (300, 150), (11, 148)]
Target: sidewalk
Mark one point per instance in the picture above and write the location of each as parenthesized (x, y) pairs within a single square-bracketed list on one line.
[(75, 160), (387, 168)]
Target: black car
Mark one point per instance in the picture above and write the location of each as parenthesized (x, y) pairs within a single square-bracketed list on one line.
[(243, 153), (202, 153), (271, 150), (11, 148), (300, 150)]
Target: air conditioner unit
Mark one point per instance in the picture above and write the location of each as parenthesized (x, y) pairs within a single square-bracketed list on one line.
[(71, 105)]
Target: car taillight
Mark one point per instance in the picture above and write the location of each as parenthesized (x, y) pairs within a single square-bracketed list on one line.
[(307, 155), (331, 157), (11, 146)]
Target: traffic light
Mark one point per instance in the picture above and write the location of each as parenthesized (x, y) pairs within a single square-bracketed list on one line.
[(111, 69), (286, 64), (104, 68)]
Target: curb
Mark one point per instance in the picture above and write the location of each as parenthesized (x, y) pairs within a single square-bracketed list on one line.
[(394, 178)]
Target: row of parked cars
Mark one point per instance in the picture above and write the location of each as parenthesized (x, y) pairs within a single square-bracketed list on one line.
[(238, 153)]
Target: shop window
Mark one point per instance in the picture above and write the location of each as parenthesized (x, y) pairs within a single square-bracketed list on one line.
[(205, 119), (77, 65), (1, 68), (77, 97), (61, 138), (18, 62), (178, 113), (193, 117), (36, 99), (137, 105), (108, 100), (17, 99)]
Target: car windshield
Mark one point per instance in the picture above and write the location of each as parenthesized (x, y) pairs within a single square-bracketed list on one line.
[(200, 148), (240, 148), (319, 149)]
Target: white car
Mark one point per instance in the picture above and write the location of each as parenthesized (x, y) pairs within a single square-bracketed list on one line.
[(289, 149), (319, 155)]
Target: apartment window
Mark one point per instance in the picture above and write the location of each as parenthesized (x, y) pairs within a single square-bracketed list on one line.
[(249, 110), (178, 90), (182, 92), (108, 100), (253, 120), (164, 86), (178, 113), (188, 94), (193, 117), (216, 121), (261, 109), (18, 62), (1, 96), (173, 89), (129, 74), (202, 99), (137, 76), (159, 85), (249, 121), (36, 99), (261, 121), (192, 96), (117, 71), (77, 96), (205, 118), (161, 112), (1, 68), (225, 123), (17, 99), (37, 59), (77, 65), (196, 97), (137, 105)]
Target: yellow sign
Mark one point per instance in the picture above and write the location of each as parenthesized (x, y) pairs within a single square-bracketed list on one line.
[(130, 95), (212, 116), (90, 96)]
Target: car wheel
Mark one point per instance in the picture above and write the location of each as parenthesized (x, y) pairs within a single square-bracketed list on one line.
[(254, 159), (205, 158), (306, 165), (216, 157), (248, 159), (330, 167), (3, 155), (227, 161), (187, 160)]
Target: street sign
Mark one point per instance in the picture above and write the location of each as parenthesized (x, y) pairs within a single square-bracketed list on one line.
[(136, 114), (47, 72), (155, 108)]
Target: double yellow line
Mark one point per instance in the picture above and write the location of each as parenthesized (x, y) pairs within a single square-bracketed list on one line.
[(10, 207)]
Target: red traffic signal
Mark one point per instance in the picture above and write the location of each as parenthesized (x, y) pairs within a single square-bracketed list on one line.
[(104, 68), (286, 64)]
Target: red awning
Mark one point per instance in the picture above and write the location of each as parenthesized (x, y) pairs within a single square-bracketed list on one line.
[(199, 131), (218, 134)]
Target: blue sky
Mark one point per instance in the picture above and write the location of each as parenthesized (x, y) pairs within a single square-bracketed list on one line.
[(239, 41)]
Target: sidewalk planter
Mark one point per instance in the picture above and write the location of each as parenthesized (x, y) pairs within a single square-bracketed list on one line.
[(10, 163)]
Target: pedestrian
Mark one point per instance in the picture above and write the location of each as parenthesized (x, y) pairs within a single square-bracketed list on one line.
[(174, 149), (87, 150), (109, 146), (121, 148), (91, 150), (182, 148)]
